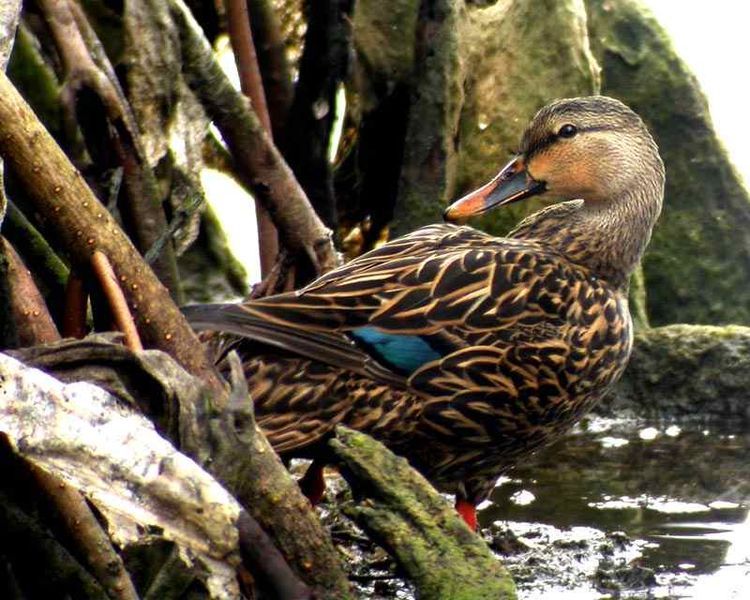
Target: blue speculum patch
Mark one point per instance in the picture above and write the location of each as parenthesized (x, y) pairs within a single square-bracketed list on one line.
[(402, 353)]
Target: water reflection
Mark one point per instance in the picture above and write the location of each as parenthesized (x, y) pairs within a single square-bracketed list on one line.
[(678, 492)]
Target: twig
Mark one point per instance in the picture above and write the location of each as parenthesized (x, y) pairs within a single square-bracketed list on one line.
[(263, 169), (238, 24), (82, 526), (116, 299), (57, 191), (181, 217)]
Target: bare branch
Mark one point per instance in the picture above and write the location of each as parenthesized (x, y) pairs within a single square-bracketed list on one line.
[(238, 24), (34, 325)]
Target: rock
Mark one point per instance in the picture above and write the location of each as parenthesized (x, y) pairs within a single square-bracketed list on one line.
[(686, 370), (706, 215)]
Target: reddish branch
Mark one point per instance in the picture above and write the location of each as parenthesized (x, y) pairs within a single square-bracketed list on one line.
[(274, 66), (238, 24), (265, 561), (76, 301), (81, 225), (105, 275)]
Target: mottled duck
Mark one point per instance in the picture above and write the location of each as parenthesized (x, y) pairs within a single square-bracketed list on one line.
[(462, 351)]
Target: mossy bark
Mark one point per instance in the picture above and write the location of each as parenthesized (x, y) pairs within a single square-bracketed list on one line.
[(428, 166), (404, 513), (706, 213)]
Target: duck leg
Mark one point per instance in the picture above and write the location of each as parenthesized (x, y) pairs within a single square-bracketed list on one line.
[(468, 512), (313, 484)]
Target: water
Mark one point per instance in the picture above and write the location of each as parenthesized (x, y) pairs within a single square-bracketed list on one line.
[(629, 510)]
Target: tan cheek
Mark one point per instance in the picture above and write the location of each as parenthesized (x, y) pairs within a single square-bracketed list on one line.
[(564, 174)]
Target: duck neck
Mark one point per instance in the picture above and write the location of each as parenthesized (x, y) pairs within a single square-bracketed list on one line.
[(606, 237)]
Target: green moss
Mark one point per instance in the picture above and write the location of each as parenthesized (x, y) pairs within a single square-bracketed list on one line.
[(697, 268), (403, 513)]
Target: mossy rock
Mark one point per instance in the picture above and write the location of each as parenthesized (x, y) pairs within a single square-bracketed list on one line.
[(686, 370), (697, 268)]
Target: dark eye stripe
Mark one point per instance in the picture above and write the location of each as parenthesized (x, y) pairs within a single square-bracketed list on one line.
[(550, 139)]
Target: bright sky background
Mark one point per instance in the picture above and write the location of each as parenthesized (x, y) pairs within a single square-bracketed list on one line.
[(714, 39)]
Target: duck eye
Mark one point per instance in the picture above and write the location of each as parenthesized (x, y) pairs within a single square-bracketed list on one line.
[(567, 131)]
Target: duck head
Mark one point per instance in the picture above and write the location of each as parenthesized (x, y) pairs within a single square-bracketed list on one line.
[(593, 148)]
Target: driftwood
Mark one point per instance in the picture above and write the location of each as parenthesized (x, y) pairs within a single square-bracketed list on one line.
[(112, 454), (400, 510)]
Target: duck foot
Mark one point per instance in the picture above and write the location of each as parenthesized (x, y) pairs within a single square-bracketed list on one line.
[(468, 512), (313, 484)]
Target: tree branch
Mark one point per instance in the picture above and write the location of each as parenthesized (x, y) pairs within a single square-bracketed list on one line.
[(92, 92), (34, 325), (263, 170)]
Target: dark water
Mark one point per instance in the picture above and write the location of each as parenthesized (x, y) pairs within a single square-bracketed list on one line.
[(626, 509)]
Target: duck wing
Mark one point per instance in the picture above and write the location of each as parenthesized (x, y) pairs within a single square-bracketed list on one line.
[(395, 309)]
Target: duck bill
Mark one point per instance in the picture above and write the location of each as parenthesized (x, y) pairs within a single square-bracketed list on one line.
[(512, 184)]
